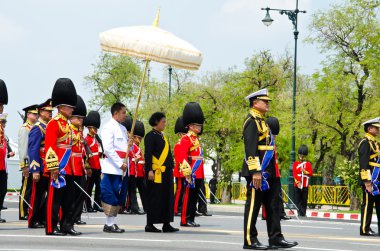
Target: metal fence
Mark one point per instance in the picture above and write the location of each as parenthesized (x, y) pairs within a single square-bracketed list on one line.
[(318, 194)]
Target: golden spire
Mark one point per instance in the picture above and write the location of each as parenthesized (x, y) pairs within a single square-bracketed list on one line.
[(157, 19)]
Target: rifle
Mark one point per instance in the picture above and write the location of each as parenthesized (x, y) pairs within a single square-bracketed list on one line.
[(87, 149), (100, 142), (22, 116), (9, 148)]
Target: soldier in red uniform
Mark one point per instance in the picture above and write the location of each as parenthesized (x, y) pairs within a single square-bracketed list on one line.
[(302, 172), (136, 164), (3, 162), (92, 122), (180, 130), (41, 179), (58, 144), (78, 171), (191, 161)]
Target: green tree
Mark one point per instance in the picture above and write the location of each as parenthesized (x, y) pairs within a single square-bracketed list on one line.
[(343, 95), (115, 78)]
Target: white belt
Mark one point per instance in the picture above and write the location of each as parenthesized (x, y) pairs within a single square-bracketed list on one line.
[(76, 154), (305, 176)]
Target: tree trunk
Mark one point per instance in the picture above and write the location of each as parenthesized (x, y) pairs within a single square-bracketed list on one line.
[(354, 201), (328, 171), (226, 194)]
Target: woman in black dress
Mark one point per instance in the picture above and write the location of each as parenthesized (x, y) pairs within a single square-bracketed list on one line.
[(159, 174)]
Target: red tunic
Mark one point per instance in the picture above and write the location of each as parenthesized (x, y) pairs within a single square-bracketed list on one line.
[(191, 151), (78, 153), (93, 144), (57, 141), (132, 161), (136, 162), (297, 173), (3, 153), (176, 149), (140, 163)]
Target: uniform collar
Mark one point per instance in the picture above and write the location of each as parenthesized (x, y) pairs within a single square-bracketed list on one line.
[(28, 122), (370, 136), (42, 121), (191, 133), (74, 128), (256, 113), (114, 121), (61, 116)]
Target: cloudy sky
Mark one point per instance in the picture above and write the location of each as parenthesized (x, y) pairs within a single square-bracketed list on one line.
[(42, 40)]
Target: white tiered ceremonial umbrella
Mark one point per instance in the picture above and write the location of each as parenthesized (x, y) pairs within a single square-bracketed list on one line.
[(152, 44)]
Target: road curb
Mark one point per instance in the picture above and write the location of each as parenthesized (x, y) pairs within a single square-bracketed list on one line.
[(333, 216)]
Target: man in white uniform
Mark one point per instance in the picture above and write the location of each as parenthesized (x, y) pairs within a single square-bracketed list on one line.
[(115, 143)]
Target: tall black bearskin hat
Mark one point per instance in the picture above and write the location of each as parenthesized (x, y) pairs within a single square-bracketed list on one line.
[(80, 109), (303, 150), (3, 93), (193, 114), (127, 123), (64, 93), (139, 129), (274, 125), (179, 127), (92, 119)]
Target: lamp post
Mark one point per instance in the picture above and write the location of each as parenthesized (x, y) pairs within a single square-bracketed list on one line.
[(293, 16), (170, 82)]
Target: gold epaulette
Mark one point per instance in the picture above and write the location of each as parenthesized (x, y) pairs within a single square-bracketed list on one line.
[(195, 142), (253, 164), (51, 160)]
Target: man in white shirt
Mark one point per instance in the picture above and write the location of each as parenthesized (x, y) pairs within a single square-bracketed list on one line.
[(114, 166)]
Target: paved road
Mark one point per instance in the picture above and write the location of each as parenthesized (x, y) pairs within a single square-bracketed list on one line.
[(219, 232)]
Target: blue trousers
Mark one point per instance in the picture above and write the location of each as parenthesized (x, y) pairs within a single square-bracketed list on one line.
[(113, 189)]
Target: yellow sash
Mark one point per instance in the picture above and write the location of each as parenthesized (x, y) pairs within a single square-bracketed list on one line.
[(157, 164)]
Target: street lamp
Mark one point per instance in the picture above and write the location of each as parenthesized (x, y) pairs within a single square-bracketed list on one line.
[(170, 81), (293, 16), (267, 19)]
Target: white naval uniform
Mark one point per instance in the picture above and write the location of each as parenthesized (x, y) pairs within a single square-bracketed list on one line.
[(115, 139)]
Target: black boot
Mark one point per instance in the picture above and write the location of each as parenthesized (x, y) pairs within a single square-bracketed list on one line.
[(167, 228), (152, 229), (281, 243)]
